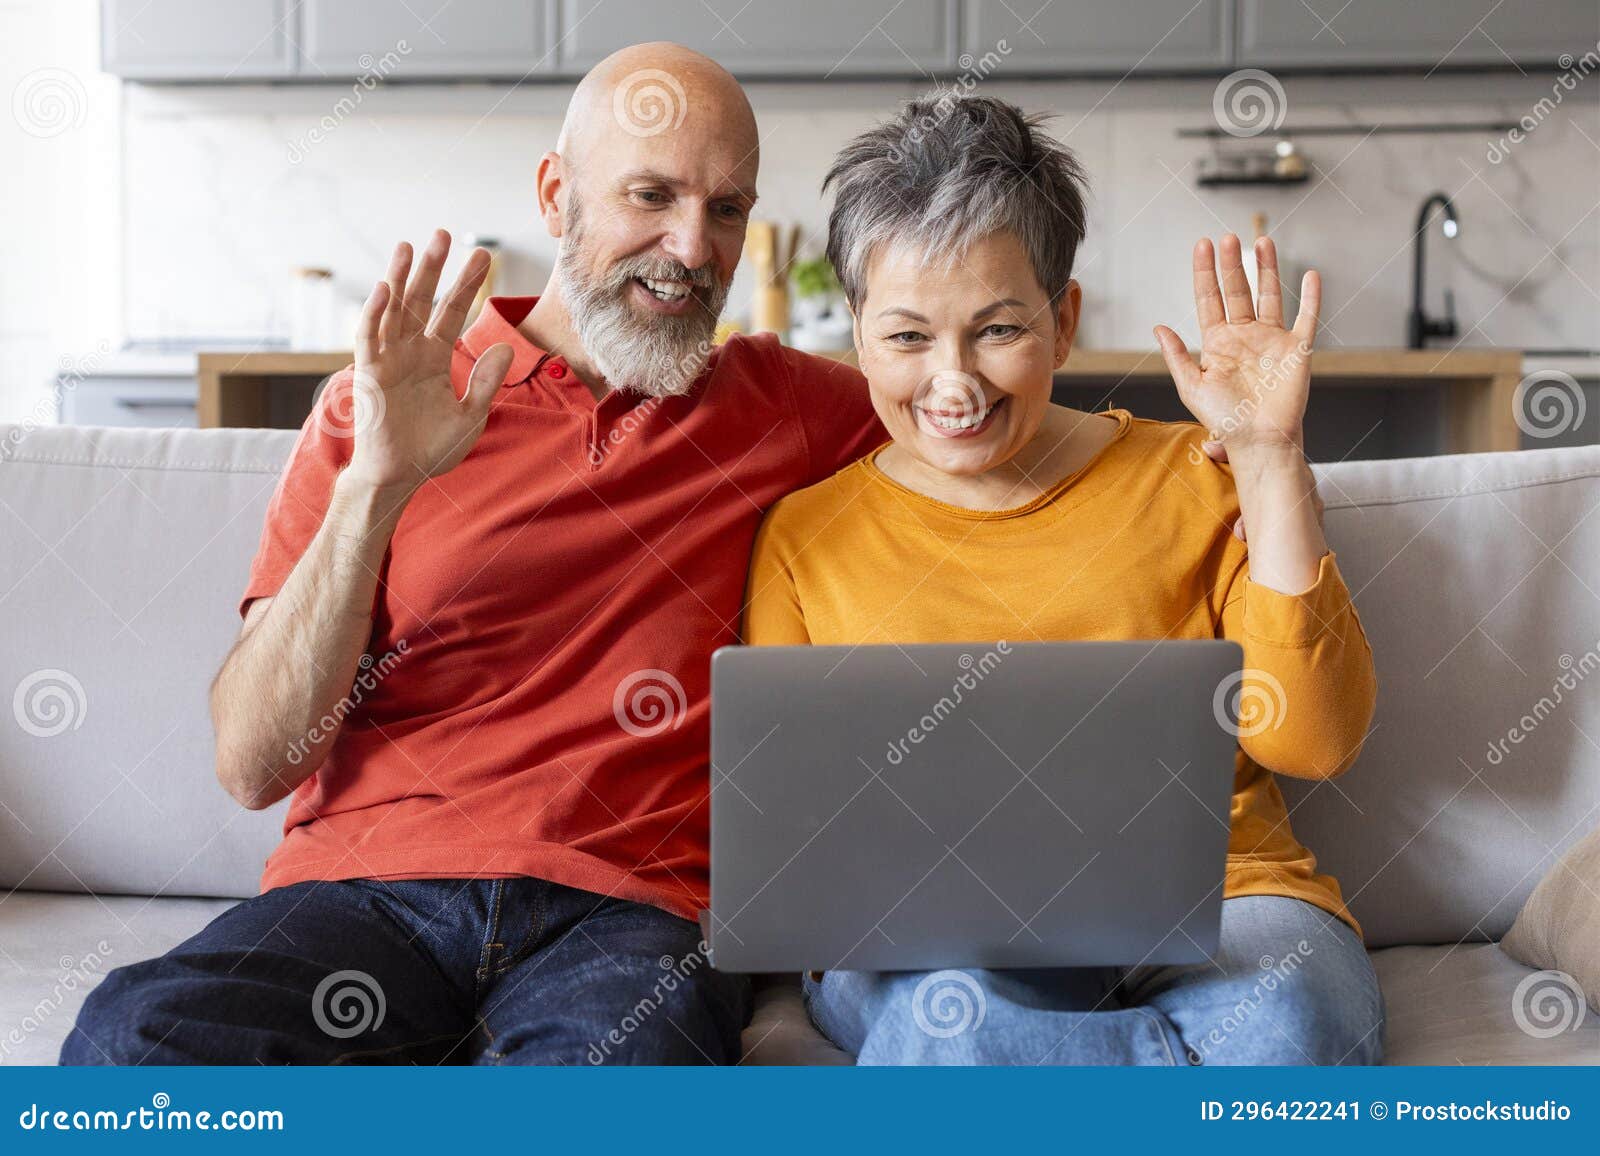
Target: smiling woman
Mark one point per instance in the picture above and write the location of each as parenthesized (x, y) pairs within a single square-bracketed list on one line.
[(960, 277), (994, 514)]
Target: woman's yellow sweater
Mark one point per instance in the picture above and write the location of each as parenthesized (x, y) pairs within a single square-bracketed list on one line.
[(1135, 545)]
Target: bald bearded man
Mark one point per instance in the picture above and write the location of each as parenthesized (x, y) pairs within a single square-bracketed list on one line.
[(476, 636)]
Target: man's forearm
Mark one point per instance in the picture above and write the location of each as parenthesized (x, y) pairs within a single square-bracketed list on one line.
[(292, 668)]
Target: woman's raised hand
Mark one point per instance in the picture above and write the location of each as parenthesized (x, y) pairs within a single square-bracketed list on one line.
[(408, 423), (1250, 386)]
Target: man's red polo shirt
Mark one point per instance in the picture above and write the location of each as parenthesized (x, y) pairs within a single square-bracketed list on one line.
[(558, 596)]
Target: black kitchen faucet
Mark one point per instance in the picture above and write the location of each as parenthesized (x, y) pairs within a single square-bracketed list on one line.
[(1422, 326)]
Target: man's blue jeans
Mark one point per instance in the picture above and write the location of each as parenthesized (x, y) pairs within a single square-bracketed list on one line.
[(1289, 984), (489, 971)]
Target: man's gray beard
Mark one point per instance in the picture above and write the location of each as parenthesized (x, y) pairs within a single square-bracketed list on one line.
[(653, 355)]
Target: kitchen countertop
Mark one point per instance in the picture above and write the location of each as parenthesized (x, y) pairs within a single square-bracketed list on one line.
[(1479, 384)]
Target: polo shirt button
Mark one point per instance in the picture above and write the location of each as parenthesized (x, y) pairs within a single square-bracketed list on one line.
[(558, 370)]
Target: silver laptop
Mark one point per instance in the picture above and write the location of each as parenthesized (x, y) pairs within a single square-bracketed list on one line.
[(969, 805)]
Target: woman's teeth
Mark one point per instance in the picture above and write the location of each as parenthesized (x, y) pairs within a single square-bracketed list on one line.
[(959, 421), (666, 290)]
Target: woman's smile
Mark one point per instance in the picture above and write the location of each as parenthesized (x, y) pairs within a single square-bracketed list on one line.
[(958, 421)]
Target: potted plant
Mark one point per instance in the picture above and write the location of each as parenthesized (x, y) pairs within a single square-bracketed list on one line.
[(820, 321)]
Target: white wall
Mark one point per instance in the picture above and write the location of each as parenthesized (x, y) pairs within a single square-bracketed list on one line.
[(60, 235), (217, 213)]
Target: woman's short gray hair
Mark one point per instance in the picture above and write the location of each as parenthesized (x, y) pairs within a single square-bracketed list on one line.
[(947, 171)]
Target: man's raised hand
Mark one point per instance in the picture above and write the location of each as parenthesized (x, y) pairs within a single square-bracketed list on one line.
[(409, 424)]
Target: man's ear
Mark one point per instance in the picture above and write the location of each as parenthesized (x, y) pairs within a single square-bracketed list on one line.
[(1068, 309), (548, 185)]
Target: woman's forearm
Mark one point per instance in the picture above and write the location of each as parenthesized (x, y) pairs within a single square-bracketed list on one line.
[(1276, 491)]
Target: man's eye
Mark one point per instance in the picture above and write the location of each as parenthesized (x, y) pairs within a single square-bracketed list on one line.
[(651, 197), (730, 212)]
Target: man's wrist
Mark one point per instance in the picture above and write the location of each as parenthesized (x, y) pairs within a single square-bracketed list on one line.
[(369, 505)]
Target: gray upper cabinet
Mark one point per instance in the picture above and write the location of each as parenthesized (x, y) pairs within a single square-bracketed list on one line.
[(1141, 35), (198, 39), (1415, 34), (417, 39), (815, 38), (337, 40)]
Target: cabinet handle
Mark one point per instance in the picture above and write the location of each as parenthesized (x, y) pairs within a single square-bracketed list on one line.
[(154, 403)]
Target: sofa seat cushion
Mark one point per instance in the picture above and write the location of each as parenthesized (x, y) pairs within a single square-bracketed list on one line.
[(1460, 1005), (1447, 1005), (54, 948)]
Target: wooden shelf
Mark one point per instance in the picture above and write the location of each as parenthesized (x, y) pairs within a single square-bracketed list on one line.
[(236, 388)]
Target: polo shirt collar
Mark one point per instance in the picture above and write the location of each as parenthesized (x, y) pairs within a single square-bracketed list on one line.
[(497, 321)]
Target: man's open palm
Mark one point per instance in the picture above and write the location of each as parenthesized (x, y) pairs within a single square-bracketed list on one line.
[(409, 423)]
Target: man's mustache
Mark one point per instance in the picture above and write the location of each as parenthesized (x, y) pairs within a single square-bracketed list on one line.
[(656, 269)]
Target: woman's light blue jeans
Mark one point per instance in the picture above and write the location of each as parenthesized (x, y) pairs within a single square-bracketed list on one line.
[(1289, 984)]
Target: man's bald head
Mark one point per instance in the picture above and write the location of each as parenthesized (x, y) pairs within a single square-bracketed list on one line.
[(650, 90), (650, 190)]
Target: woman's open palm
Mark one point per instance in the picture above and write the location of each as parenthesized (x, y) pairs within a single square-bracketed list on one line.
[(1254, 376)]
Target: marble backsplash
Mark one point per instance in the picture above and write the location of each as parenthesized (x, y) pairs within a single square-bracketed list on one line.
[(226, 190)]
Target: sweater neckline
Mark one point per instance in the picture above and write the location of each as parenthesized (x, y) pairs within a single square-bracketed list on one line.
[(1091, 470)]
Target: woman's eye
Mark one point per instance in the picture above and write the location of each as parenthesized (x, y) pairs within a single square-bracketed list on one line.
[(1001, 330), (906, 337)]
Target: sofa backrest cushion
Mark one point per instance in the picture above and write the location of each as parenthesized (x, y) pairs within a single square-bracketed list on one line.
[(1477, 578), (124, 555)]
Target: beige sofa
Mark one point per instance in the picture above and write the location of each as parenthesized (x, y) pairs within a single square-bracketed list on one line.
[(124, 552)]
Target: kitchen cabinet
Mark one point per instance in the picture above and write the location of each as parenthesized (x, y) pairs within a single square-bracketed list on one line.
[(425, 38), (1136, 35), (817, 39), (339, 40), (1419, 34), (198, 39), (129, 389)]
